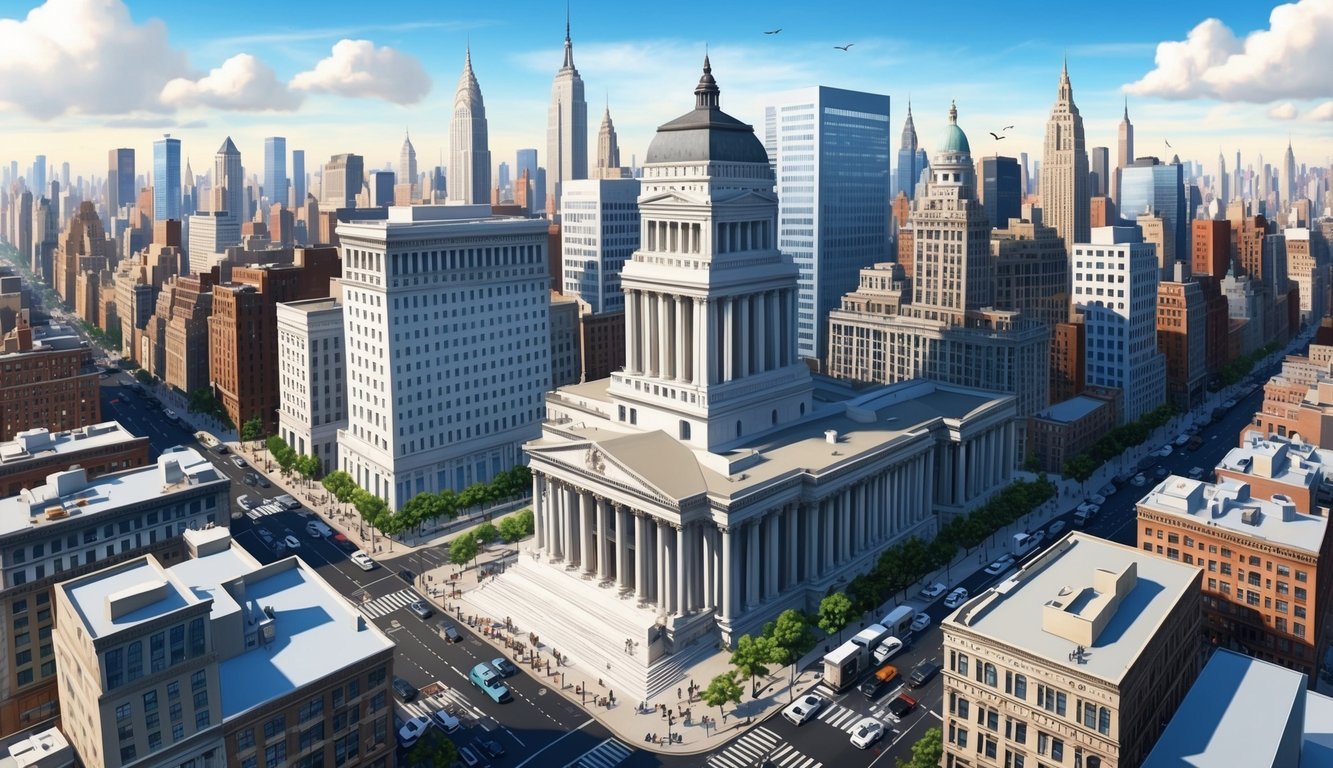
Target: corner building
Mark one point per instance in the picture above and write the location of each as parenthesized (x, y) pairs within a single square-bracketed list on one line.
[(704, 488)]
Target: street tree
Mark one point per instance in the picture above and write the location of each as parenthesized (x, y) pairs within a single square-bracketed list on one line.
[(722, 690), (463, 549), (752, 657), (835, 613), (791, 638), (252, 429)]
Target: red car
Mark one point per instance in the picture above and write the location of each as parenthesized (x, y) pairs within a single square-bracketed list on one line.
[(902, 706)]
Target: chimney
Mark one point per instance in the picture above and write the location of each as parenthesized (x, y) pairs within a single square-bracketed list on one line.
[(831, 436)]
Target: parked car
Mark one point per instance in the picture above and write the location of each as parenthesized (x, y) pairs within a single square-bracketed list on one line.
[(403, 689), (287, 502), (1108, 490), (504, 668), (1159, 472), (1139, 480), (265, 535), (263, 481), (1097, 499), (249, 478), (800, 711), (934, 591), (362, 560), (490, 746), (1182, 439), (922, 673), (451, 632), (487, 679), (220, 448), (291, 542), (1088, 508), (920, 621), (1056, 528), (887, 649), (245, 502), (955, 598), (1164, 451), (901, 706), (866, 732), (445, 720), (469, 756), (411, 731), (313, 529), (238, 462), (1001, 564), (421, 608), (1196, 473)]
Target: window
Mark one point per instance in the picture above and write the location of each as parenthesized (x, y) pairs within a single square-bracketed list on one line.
[(123, 712), (127, 753), (961, 665), (173, 690), (957, 735), (134, 660), (1051, 700), (197, 637), (1057, 749), (198, 680), (150, 701), (275, 725), (1104, 721), (178, 644), (275, 754), (157, 652), (201, 719), (990, 677)]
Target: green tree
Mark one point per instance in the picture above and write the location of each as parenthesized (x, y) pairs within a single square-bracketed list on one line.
[(791, 638), (486, 533), (927, 752), (307, 466), (253, 429), (432, 753), (514, 527), (720, 691), (369, 506), (340, 485), (752, 657), (144, 377), (463, 549), (835, 613)]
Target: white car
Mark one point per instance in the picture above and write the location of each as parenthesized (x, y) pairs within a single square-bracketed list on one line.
[(1164, 451), (1097, 498), (1089, 509), (292, 542), (867, 732), (956, 598), (1139, 480), (804, 708), (412, 730), (1000, 565), (363, 561), (887, 649), (447, 722), (1056, 528), (1196, 473), (934, 591), (920, 622)]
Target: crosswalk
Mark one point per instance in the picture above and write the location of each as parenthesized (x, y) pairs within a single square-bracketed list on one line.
[(262, 510), (608, 754), (759, 744), (389, 603), (839, 717), (424, 706)]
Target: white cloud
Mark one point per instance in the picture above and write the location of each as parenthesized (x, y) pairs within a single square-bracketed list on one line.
[(242, 83), (357, 68), (1284, 111), (85, 56), (1322, 112), (1290, 59)]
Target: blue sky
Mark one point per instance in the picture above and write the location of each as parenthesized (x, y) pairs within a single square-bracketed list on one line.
[(81, 76)]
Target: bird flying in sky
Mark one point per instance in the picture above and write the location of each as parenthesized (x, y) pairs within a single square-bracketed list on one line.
[(1007, 127), (844, 48), (997, 136), (773, 31)]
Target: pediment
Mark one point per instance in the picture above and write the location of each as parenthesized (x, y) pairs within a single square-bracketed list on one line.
[(651, 462)]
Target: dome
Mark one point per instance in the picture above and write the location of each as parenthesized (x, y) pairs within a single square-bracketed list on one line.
[(955, 141), (706, 133)]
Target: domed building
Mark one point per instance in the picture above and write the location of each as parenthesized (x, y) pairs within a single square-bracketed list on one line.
[(713, 482)]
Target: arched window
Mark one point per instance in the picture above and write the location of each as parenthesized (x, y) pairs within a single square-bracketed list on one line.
[(991, 678), (684, 430), (738, 427)]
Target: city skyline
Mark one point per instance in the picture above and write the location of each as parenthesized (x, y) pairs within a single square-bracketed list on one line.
[(345, 85)]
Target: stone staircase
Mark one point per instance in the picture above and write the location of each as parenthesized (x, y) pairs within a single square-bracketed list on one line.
[(588, 624)]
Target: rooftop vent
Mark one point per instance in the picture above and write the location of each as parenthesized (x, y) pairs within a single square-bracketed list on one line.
[(831, 436), (1251, 516)]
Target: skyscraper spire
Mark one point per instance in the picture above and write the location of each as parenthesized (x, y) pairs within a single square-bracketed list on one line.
[(566, 126), (706, 94), (1064, 169), (470, 156), (569, 45)]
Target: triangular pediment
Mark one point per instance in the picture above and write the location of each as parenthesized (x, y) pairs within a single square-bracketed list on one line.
[(652, 462), (672, 196)]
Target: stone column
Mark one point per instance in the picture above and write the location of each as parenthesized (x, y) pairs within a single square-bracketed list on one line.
[(680, 564), (761, 332), (682, 338), (587, 529), (649, 361), (752, 564), (745, 337), (631, 338), (568, 510), (728, 338), (641, 576), (603, 539), (708, 354), (728, 573), (663, 588), (791, 517), (775, 328), (707, 568), (623, 572), (771, 556), (538, 509), (810, 524), (663, 337)]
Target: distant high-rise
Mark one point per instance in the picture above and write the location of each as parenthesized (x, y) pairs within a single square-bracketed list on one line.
[(1064, 169), (228, 181), (1124, 151), (1221, 191), (1099, 169), (167, 179), (470, 154), (1001, 196), (527, 161), (275, 169), (908, 171), (829, 149), (119, 179), (407, 166), (502, 180), (343, 177), (298, 177), (566, 126), (1288, 186), (598, 242), (381, 189), (1148, 186), (39, 176), (608, 148), (210, 233)]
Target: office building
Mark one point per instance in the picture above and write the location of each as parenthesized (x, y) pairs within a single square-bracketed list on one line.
[(275, 169), (212, 232), (1266, 566), (1099, 169), (1031, 271), (381, 189), (413, 285), (829, 150), (608, 149), (1181, 338), (48, 380), (564, 320), (1210, 247), (312, 378), (1080, 658), (298, 178), (566, 127), (1064, 170), (184, 330), (27, 459), (599, 232), (470, 154), (39, 174), (344, 175), (601, 343), (999, 190), (120, 186), (527, 163), (664, 422), (1115, 291), (1067, 428), (1148, 186), (1218, 725), (1125, 152), (167, 179), (71, 524), (1221, 182), (219, 660), (911, 160), (407, 169), (1307, 259)]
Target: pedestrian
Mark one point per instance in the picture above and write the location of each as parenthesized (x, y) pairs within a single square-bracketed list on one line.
[(678, 694)]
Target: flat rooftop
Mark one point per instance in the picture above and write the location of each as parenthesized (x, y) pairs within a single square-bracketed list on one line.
[(89, 595), (1228, 505), (69, 498), (1274, 459), (864, 423), (1012, 612), (41, 442), (313, 305), (1245, 712), (1072, 409)]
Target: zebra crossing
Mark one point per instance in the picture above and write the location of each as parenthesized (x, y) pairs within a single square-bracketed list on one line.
[(608, 754), (426, 705), (389, 603), (262, 510), (759, 744), (839, 717)]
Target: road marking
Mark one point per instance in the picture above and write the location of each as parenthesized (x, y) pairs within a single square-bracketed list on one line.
[(585, 724), (608, 754), (386, 604), (759, 744)]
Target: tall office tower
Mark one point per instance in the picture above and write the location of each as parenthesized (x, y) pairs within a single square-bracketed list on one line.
[(343, 177), (407, 167), (298, 178), (502, 182), (38, 187), (275, 169), (1000, 194), (481, 266), (64, 175), (829, 150), (527, 161), (907, 172), (599, 234), (119, 179), (566, 126), (470, 154), (1121, 329), (229, 182), (1265, 188), (310, 415), (1024, 181), (1287, 188), (210, 233), (1125, 151), (608, 148), (381, 189), (1099, 168), (1064, 170), (167, 179), (1221, 185), (1148, 186)]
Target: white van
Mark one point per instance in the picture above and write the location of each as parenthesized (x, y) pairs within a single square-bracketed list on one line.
[(899, 620)]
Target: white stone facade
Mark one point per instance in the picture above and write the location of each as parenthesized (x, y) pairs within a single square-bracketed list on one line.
[(312, 378), (599, 231)]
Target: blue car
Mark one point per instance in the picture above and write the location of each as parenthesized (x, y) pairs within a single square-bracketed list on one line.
[(487, 679)]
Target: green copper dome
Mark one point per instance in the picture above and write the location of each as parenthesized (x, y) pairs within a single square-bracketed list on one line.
[(955, 141)]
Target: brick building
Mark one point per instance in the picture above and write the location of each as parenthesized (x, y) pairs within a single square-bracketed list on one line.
[(26, 460), (1068, 428), (47, 379), (1068, 360)]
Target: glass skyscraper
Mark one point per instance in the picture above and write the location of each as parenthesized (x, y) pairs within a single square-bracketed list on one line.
[(298, 177), (829, 149), (166, 179), (275, 169), (1000, 190), (1149, 186)]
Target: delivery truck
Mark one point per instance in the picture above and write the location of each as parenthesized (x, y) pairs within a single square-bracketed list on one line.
[(844, 664)]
